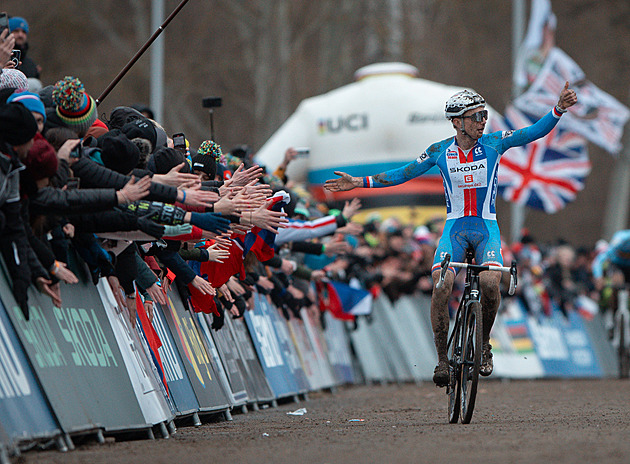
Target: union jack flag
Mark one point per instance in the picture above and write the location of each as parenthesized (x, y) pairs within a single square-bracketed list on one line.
[(597, 116), (545, 174)]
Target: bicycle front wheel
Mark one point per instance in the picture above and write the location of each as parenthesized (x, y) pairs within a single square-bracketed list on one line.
[(473, 340), (454, 360)]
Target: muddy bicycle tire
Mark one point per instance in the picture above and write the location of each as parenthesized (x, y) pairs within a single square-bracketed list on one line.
[(454, 387), (473, 341)]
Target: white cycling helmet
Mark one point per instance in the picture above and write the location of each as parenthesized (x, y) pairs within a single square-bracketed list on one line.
[(461, 102)]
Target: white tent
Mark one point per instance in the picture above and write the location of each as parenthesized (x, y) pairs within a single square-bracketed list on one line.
[(383, 120)]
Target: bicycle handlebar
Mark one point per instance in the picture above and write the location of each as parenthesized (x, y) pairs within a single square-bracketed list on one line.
[(444, 266), (446, 262)]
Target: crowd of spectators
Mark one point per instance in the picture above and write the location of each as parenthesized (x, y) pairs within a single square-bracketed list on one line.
[(145, 215)]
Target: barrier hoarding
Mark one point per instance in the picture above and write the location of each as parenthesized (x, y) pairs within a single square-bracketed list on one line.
[(370, 352), (233, 385), (232, 362), (307, 354), (287, 345), (311, 326), (338, 349), (383, 329), (24, 410), (512, 346), (414, 335), (148, 388), (265, 340), (258, 387), (178, 388), (197, 361), (563, 345), (77, 360)]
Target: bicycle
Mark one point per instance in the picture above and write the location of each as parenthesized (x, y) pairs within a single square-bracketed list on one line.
[(621, 333), (465, 342)]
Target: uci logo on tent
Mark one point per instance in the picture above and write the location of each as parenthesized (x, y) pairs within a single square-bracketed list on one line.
[(353, 123)]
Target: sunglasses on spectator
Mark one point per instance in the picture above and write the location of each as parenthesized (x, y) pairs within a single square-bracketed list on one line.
[(478, 116)]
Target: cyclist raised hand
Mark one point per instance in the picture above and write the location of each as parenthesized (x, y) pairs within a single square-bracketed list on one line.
[(469, 165)]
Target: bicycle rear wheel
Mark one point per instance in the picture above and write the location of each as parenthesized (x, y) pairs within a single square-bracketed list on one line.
[(454, 356), (473, 340), (623, 353)]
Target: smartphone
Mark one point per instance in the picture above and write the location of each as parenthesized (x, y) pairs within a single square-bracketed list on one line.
[(73, 183), (303, 152), (4, 21), (15, 57), (179, 142)]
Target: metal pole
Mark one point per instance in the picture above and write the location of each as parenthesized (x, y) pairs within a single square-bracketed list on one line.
[(616, 213), (156, 101), (518, 32), (139, 53)]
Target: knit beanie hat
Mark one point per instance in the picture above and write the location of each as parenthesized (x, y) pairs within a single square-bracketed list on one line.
[(16, 22), (118, 153), (74, 106), (13, 79), (121, 115), (165, 159), (31, 100), (211, 148), (17, 124), (205, 163), (141, 128), (41, 160)]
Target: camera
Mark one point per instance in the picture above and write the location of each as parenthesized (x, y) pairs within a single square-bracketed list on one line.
[(15, 57), (211, 102)]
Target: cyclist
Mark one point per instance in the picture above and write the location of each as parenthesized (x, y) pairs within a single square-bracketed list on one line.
[(612, 261), (469, 165)]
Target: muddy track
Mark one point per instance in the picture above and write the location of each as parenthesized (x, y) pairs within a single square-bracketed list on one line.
[(519, 421)]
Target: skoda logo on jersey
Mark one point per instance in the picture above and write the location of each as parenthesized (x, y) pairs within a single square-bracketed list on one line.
[(467, 168), (353, 123)]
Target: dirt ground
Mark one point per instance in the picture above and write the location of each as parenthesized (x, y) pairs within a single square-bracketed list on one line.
[(555, 421)]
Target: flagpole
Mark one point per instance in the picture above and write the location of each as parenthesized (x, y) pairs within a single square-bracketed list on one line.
[(139, 53), (518, 32)]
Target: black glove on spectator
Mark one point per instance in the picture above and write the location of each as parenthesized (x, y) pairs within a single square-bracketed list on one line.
[(218, 321), (150, 227)]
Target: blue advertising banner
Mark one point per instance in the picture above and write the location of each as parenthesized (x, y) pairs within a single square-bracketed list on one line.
[(277, 371), (24, 411), (563, 345), (178, 387)]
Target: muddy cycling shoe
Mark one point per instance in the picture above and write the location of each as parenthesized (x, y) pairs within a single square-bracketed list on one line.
[(486, 360), (441, 374)]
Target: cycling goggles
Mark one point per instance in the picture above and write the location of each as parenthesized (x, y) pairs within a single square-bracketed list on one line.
[(479, 116)]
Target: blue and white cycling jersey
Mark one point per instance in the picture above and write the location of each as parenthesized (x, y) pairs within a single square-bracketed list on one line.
[(470, 177), (618, 253)]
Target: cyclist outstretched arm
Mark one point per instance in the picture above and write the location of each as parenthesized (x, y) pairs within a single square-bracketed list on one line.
[(397, 176), (545, 124)]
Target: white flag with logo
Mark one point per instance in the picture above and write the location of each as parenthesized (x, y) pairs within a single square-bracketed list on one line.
[(597, 116)]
